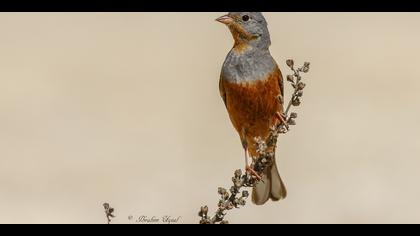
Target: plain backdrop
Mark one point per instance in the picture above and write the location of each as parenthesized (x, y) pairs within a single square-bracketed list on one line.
[(124, 108)]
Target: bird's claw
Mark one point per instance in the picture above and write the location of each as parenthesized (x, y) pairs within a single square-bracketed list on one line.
[(253, 173), (282, 118)]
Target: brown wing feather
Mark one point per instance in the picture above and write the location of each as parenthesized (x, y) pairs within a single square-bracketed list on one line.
[(280, 79)]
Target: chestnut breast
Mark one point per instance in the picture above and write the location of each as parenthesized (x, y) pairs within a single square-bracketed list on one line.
[(252, 105)]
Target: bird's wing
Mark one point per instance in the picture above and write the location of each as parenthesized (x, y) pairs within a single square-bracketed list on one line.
[(280, 79), (222, 90)]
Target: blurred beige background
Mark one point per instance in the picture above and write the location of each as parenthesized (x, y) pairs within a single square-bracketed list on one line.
[(125, 108)]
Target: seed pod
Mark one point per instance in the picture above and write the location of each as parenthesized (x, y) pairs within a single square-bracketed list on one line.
[(301, 86), (290, 78), (291, 122), (204, 210), (300, 93), (221, 191), (290, 63), (237, 184), (305, 67), (296, 102)]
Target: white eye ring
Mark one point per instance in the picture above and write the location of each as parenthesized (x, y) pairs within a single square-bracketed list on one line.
[(245, 18)]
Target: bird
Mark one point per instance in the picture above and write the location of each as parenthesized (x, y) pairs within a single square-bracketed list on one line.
[(251, 86)]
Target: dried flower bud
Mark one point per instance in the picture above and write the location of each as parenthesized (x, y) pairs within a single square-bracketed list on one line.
[(301, 86), (203, 211), (219, 216), (245, 194), (290, 78), (305, 67), (261, 147), (221, 191), (238, 173), (204, 221), (242, 202), (235, 202), (290, 63), (224, 222), (293, 115), (300, 93), (296, 102), (291, 122)]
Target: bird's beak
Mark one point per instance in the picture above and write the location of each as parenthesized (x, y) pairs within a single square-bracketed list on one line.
[(226, 19)]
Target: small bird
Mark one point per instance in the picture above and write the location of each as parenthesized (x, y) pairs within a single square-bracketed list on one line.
[(250, 85)]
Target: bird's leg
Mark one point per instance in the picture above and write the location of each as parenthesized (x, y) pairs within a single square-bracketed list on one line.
[(248, 168), (246, 158), (282, 118)]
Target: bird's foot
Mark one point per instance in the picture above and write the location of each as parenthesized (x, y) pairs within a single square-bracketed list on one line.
[(282, 118), (253, 173)]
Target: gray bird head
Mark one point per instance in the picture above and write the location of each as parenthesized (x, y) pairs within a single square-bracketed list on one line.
[(248, 28)]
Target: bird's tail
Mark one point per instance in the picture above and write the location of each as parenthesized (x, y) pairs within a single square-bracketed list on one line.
[(271, 187)]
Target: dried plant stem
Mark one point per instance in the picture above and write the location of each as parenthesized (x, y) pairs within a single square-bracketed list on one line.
[(108, 212), (265, 149), (289, 105)]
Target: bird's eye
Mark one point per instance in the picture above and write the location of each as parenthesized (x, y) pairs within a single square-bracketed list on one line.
[(245, 18)]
